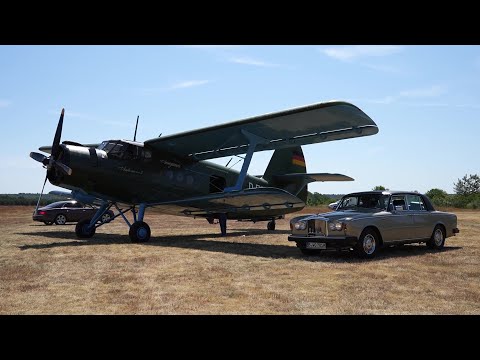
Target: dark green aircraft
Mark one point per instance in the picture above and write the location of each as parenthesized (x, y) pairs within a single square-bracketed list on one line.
[(171, 172)]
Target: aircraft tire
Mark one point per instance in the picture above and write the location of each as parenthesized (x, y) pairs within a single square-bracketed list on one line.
[(83, 231), (271, 225), (139, 232)]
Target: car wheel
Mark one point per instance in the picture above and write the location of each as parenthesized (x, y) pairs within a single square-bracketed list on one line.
[(82, 229), (139, 232), (367, 244), (48, 222), (437, 240), (106, 217), (60, 219)]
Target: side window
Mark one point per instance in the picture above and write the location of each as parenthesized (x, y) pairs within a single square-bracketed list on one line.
[(398, 202), (415, 203)]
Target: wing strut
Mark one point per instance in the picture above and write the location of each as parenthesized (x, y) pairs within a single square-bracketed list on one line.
[(253, 141)]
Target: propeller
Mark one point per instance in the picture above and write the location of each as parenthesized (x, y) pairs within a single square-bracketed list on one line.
[(52, 160)]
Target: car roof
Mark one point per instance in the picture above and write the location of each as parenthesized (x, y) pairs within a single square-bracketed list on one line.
[(383, 192)]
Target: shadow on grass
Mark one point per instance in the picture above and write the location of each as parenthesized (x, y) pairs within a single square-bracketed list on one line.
[(216, 243)]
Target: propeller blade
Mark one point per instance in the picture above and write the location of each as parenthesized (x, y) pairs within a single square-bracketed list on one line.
[(43, 187), (58, 135), (62, 167), (37, 156)]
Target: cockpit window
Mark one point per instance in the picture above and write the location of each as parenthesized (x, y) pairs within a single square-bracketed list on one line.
[(124, 151)]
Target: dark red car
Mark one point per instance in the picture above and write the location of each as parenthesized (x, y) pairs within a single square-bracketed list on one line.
[(61, 212)]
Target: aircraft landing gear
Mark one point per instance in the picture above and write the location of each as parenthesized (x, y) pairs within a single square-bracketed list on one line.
[(139, 232), (83, 230), (222, 219), (271, 225)]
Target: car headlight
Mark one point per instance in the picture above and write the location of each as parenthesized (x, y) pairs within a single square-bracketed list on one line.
[(300, 225), (335, 226)]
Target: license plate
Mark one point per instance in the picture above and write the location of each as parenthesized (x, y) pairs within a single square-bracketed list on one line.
[(316, 245)]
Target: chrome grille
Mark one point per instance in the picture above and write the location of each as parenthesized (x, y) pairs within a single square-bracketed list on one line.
[(321, 227), (311, 227)]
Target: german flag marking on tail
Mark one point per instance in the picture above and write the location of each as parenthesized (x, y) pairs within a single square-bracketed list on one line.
[(298, 159)]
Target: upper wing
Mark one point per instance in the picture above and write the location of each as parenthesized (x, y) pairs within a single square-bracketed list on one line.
[(299, 126)]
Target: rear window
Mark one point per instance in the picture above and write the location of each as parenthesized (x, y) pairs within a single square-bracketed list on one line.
[(55, 205)]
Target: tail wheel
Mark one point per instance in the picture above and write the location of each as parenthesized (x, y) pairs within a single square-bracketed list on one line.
[(139, 232), (60, 219), (271, 225), (83, 229), (437, 240), (367, 244)]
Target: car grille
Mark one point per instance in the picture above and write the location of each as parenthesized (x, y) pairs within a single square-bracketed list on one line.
[(316, 227)]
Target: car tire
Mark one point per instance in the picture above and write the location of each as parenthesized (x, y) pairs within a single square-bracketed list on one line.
[(139, 232), (60, 219), (437, 240), (82, 229), (48, 222), (367, 244)]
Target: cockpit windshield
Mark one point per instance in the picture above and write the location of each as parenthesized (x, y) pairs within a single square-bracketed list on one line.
[(365, 201), (124, 150)]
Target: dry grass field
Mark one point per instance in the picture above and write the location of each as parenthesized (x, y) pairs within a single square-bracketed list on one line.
[(187, 268)]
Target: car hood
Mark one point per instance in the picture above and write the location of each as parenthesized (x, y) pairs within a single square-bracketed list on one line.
[(345, 214)]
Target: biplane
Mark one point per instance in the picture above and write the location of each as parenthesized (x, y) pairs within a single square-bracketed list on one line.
[(172, 173)]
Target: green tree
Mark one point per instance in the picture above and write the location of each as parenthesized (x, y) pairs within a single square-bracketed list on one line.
[(439, 197), (468, 185), (379, 187)]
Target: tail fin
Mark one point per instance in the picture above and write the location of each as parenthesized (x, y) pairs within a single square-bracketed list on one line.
[(288, 161)]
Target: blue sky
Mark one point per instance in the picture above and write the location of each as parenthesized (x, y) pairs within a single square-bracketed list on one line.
[(424, 99)]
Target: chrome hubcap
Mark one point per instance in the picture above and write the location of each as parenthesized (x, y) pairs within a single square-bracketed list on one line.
[(105, 217), (438, 237), (369, 244), (61, 219)]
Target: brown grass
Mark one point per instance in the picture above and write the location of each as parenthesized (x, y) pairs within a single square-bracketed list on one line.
[(187, 268)]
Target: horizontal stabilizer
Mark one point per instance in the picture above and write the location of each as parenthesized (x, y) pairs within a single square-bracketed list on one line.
[(248, 201), (287, 178)]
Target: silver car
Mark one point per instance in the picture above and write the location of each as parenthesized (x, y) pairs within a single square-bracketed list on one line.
[(366, 221)]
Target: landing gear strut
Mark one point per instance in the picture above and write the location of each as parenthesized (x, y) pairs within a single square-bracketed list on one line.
[(139, 231)]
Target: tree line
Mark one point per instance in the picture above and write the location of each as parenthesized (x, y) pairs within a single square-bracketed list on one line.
[(28, 199)]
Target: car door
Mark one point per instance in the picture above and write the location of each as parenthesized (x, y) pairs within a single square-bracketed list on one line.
[(422, 218), (398, 225)]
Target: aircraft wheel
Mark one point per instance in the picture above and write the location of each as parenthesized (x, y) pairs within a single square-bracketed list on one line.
[(139, 232), (271, 225), (82, 229)]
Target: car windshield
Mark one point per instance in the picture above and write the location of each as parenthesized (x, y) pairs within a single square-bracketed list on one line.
[(363, 201)]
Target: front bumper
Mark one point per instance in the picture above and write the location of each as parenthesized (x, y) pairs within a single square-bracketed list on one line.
[(332, 242)]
